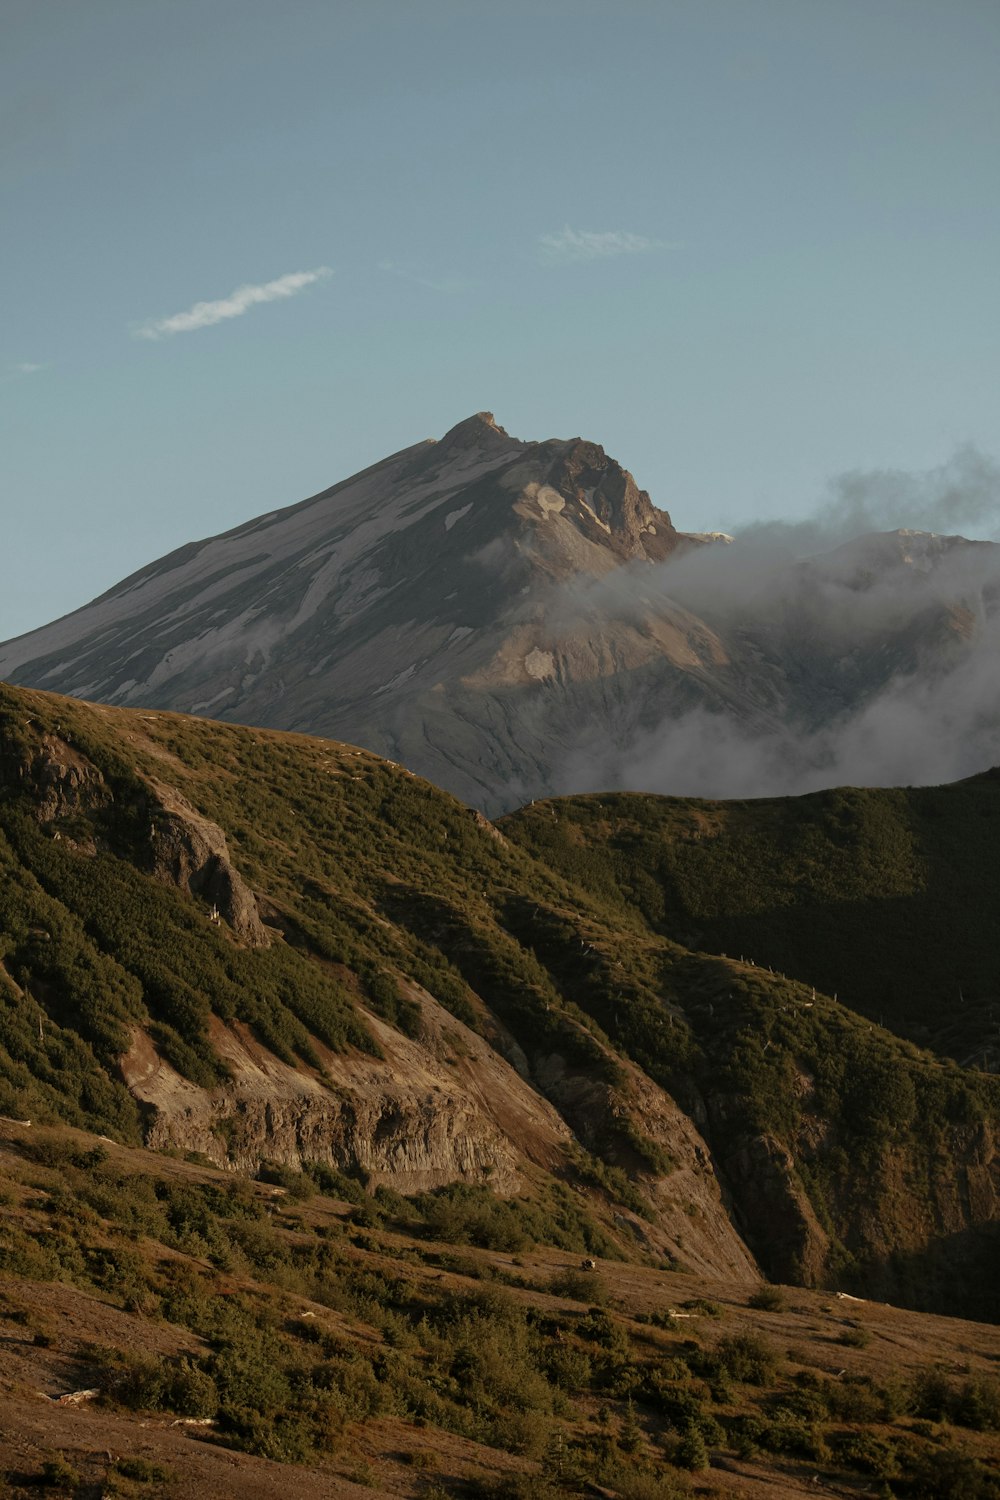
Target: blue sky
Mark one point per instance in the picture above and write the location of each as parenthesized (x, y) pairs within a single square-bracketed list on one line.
[(745, 244)]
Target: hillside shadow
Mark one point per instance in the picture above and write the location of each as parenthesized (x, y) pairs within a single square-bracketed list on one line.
[(956, 1276)]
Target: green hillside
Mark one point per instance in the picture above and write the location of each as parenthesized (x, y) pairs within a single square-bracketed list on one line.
[(889, 899), (684, 1103)]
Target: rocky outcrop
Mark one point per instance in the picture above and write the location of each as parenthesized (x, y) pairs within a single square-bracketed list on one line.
[(443, 1109), (781, 1222), (186, 849), (487, 827), (689, 1219), (66, 782), (600, 488)]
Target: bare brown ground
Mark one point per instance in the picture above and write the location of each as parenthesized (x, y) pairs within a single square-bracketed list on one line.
[(390, 1457)]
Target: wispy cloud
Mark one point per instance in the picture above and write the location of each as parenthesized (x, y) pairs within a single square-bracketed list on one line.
[(28, 369), (204, 314), (449, 285), (587, 244)]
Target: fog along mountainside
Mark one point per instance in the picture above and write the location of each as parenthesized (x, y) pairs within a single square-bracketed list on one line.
[(518, 619)]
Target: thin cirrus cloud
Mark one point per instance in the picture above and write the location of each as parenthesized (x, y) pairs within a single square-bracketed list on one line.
[(26, 368), (204, 314), (587, 244)]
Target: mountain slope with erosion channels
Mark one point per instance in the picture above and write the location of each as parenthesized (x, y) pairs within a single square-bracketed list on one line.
[(518, 619), (265, 947)]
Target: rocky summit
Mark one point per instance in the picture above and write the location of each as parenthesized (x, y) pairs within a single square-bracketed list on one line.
[(517, 619)]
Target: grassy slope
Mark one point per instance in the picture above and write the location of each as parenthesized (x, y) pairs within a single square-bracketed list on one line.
[(382, 876), (885, 897), (358, 1346)]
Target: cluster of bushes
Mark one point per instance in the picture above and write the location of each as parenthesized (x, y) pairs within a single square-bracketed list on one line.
[(464, 1214), (481, 1364), (795, 886), (507, 976), (114, 932), (612, 978)]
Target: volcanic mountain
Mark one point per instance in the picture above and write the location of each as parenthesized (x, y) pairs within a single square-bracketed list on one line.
[(513, 619)]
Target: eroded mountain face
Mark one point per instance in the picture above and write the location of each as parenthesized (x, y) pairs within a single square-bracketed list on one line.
[(385, 609), (514, 619)]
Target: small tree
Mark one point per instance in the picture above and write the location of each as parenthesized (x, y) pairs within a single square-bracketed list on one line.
[(691, 1451)]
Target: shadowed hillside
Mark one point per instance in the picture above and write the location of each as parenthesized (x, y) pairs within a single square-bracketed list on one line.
[(887, 898)]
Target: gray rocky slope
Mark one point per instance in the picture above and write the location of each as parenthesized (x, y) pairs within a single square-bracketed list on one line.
[(513, 619)]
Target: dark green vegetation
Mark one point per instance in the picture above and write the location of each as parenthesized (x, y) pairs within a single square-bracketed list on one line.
[(849, 1156), (269, 1318), (887, 898)]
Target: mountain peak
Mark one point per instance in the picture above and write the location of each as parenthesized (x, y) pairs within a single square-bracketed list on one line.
[(478, 431)]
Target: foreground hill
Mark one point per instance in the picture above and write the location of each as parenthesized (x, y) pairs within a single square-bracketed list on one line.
[(262, 947), (517, 619), (171, 1331)]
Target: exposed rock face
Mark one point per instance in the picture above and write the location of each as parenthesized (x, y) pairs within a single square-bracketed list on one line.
[(415, 1119), (595, 484), (185, 848), (447, 1107), (693, 1223), (66, 781), (189, 851), (786, 1232)]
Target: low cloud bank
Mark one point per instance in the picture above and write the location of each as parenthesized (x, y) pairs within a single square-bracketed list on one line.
[(960, 496), (913, 733), (858, 657)]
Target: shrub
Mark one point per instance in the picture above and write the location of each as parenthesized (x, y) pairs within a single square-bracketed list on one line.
[(298, 1185), (569, 1368), (930, 1395), (857, 1398), (579, 1286), (949, 1474), (867, 1452), (142, 1470), (58, 1471), (703, 1306), (650, 1487), (977, 1404), (744, 1357), (767, 1299), (787, 1432)]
